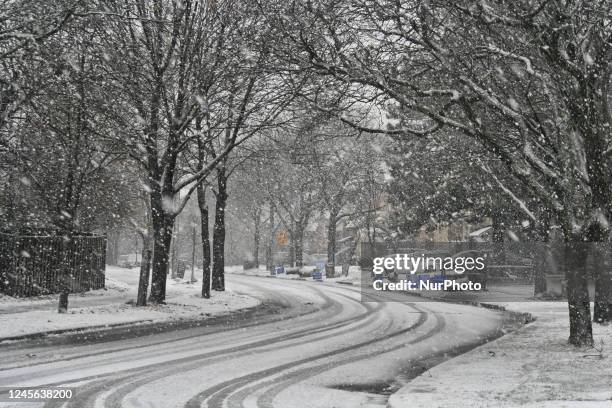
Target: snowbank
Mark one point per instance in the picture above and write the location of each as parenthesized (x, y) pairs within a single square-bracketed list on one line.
[(531, 367), (20, 317), (119, 283)]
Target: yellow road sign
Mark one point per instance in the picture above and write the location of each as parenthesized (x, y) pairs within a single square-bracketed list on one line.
[(282, 238)]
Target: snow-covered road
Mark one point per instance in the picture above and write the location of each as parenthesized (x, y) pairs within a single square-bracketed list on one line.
[(324, 348)]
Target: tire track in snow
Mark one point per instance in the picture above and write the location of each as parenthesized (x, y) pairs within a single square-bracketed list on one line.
[(88, 393), (277, 381), (216, 396)]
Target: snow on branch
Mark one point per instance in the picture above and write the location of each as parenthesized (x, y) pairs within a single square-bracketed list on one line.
[(453, 93), (403, 131), (520, 202), (538, 163), (507, 54)]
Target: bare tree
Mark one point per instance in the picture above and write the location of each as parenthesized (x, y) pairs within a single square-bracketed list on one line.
[(243, 98), (153, 54), (527, 80), (25, 27), (291, 188), (340, 164), (57, 144)]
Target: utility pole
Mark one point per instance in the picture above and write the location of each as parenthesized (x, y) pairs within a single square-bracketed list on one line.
[(174, 252), (193, 251)]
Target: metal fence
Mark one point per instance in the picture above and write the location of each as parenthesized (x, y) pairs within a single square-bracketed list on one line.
[(34, 264)]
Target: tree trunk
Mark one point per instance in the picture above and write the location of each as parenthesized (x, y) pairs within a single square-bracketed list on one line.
[(162, 236), (602, 312), (145, 270), (299, 247), (63, 303), (590, 113), (270, 245), (192, 279), (174, 256), (331, 237), (218, 275), (12, 190), (543, 258), (205, 242), (112, 253), (498, 232), (67, 272), (353, 249), (581, 331), (291, 248), (137, 241), (256, 238)]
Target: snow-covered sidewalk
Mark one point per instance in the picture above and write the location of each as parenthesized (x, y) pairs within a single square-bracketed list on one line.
[(531, 367), (20, 317)]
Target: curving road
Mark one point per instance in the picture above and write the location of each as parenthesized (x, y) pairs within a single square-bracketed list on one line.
[(322, 348)]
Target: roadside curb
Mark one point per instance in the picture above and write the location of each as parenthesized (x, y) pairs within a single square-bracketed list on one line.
[(91, 329), (526, 317), (137, 327), (513, 321), (344, 283)]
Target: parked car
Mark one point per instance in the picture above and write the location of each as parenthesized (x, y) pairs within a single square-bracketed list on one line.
[(476, 276)]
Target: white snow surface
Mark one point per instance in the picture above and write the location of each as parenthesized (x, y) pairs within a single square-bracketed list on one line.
[(326, 349), (531, 367), (108, 306)]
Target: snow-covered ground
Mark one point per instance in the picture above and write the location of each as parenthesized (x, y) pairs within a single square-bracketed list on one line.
[(531, 367), (325, 348), (109, 306), (113, 289), (354, 274)]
